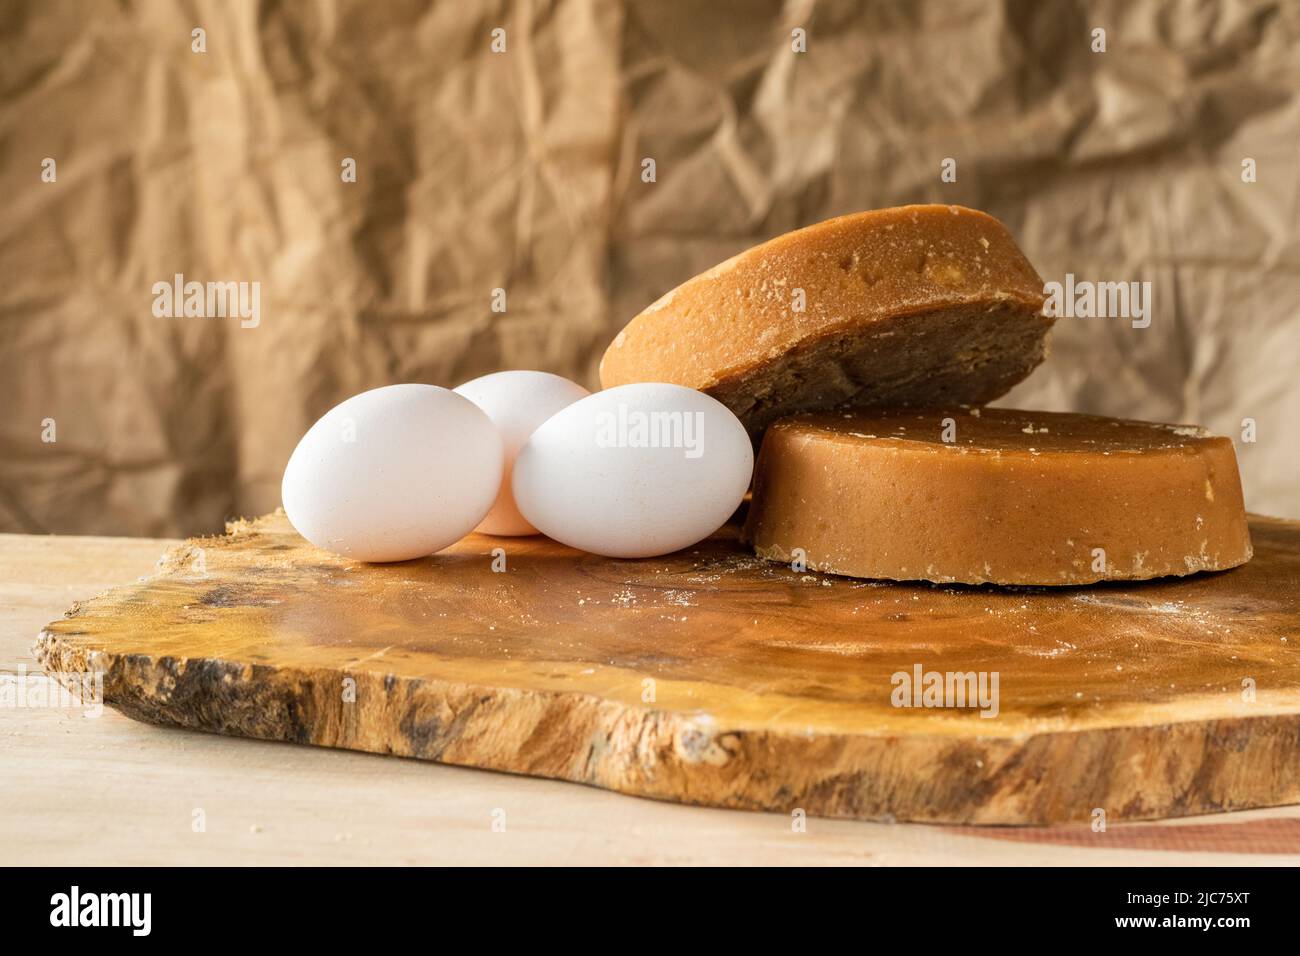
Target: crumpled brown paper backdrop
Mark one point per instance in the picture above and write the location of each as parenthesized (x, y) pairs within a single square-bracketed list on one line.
[(522, 170)]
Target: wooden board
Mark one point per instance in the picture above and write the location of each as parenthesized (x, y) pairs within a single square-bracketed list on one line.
[(108, 790), (713, 677)]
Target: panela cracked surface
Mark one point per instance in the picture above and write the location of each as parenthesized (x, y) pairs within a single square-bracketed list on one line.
[(767, 689)]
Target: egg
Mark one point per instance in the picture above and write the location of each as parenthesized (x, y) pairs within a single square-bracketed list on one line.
[(517, 402), (634, 471), (394, 473)]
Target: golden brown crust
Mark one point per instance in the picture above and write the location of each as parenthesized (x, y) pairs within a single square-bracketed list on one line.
[(997, 496), (881, 291)]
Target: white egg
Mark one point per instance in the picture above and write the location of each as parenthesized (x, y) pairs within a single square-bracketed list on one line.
[(394, 473), (517, 402), (634, 471)]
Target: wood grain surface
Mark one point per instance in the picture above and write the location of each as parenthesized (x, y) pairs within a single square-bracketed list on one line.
[(111, 790), (712, 677)]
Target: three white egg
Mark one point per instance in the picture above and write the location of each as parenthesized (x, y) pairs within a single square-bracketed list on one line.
[(404, 471)]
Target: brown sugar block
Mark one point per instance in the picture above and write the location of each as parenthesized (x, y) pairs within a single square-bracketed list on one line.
[(1015, 497), (919, 305)]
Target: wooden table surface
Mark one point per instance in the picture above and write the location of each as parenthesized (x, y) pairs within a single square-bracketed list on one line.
[(84, 790)]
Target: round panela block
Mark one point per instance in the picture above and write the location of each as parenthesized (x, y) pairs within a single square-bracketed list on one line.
[(918, 305), (999, 496)]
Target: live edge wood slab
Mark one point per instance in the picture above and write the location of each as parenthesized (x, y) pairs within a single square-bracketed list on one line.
[(713, 677)]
